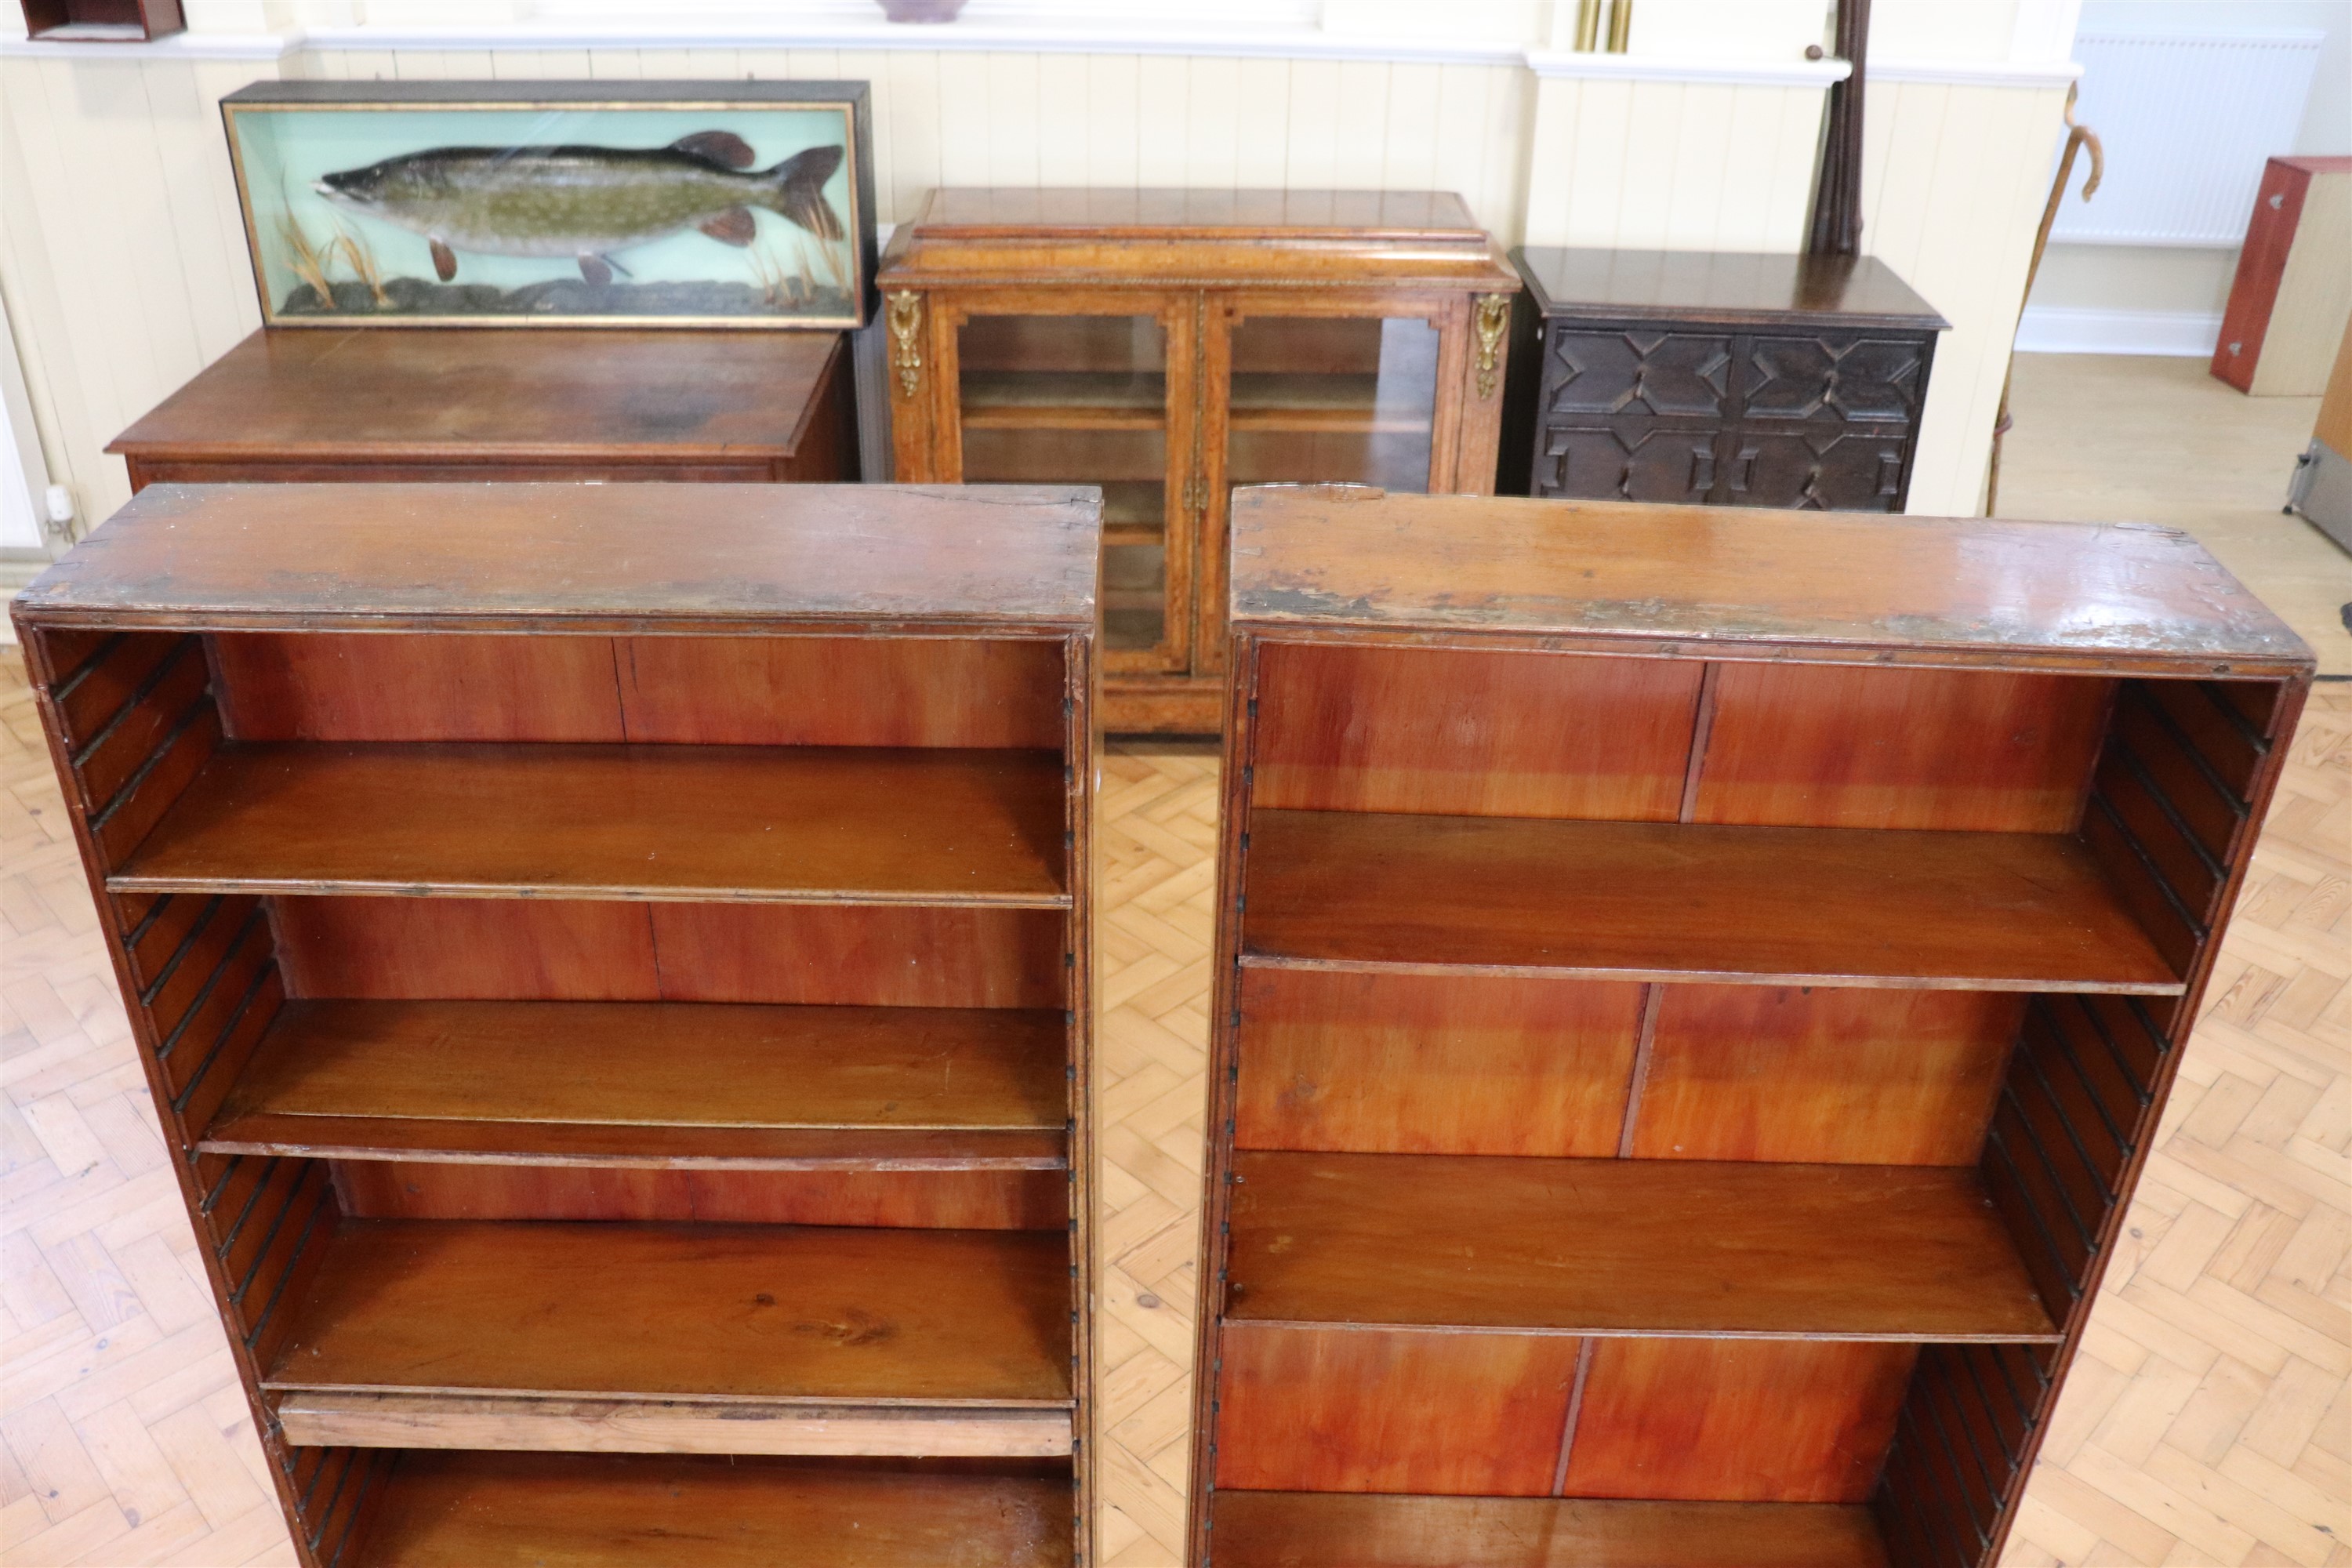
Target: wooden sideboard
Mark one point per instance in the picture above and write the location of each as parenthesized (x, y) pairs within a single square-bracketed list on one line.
[(1695, 990), (1168, 346), (622, 1035), (398, 403), (1724, 379)]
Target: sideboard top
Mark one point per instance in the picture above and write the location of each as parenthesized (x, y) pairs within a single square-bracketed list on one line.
[(477, 393), (488, 556), (1352, 558), (1714, 286)]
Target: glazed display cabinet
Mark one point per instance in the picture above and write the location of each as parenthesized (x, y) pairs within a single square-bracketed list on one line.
[(1695, 991), (623, 1039), (1168, 346)]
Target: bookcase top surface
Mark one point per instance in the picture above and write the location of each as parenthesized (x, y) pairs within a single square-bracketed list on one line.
[(494, 555), (1352, 558)]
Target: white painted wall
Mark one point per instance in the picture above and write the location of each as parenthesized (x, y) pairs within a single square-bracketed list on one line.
[(122, 258), (2119, 299)]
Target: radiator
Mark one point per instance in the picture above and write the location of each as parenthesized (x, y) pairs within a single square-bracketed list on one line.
[(2189, 120)]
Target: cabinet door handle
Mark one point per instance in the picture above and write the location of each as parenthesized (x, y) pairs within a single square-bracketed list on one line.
[(1745, 472), (1702, 469)]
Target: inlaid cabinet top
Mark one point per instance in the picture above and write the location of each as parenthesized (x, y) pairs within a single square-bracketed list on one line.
[(1170, 236), (2048, 592), (599, 557)]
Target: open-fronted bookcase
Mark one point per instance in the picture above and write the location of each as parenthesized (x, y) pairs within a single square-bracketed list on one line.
[(612, 966), (1696, 989)]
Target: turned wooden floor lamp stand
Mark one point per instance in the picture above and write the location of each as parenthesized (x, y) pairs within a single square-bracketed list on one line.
[(1696, 991), (622, 1033)]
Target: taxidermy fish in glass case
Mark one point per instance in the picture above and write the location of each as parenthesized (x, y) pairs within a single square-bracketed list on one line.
[(587, 203), (412, 203)]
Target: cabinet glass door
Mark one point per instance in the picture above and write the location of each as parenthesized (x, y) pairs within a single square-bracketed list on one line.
[(1320, 399), (1086, 400), (1340, 398)]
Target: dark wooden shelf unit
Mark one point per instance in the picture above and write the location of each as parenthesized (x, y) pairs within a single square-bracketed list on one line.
[(1723, 378), (413, 405), (1696, 991), (622, 1030), (103, 21), (1170, 344)]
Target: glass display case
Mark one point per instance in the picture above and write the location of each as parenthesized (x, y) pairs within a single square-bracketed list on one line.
[(1169, 345)]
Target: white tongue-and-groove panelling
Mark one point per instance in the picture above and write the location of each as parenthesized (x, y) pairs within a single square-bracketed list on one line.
[(123, 262)]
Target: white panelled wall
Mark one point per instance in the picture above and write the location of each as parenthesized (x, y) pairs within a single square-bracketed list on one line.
[(124, 269)]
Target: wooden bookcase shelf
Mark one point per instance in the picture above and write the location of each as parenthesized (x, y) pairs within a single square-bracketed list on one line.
[(1696, 991), (1624, 1246), (1327, 1529), (822, 824), (622, 1035), (1789, 905), (602, 1510), (712, 1312), (667, 1085)]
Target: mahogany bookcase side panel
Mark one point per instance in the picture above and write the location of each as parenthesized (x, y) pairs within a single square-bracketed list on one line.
[(1774, 1207), (428, 1109)]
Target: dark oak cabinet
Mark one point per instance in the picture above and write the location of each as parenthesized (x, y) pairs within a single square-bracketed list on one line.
[(1695, 989), (1730, 380), (418, 404), (622, 1035)]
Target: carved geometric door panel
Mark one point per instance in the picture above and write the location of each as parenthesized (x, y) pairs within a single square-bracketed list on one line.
[(1838, 469), (1808, 373), (1849, 378), (1641, 372), (1632, 459)]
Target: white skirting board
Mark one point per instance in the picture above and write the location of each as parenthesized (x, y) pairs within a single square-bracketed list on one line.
[(2059, 329)]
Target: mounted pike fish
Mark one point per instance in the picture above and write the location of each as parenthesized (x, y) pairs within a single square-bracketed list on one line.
[(586, 202)]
